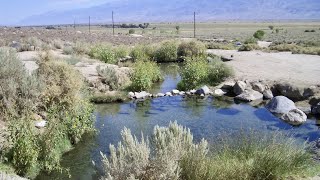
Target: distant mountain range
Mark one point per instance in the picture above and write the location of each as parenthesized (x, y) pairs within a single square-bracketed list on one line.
[(182, 10)]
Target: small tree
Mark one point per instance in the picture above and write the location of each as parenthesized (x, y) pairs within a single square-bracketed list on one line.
[(271, 27), (259, 34), (177, 28), (131, 31), (277, 30)]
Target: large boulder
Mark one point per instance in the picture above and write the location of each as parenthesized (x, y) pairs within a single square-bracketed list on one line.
[(228, 86), (280, 105), (296, 92), (141, 95), (294, 117), (203, 90), (239, 87), (249, 95)]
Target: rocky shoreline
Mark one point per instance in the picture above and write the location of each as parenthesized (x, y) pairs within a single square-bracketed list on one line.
[(291, 103)]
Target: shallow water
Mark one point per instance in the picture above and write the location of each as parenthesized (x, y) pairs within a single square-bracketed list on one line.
[(207, 118)]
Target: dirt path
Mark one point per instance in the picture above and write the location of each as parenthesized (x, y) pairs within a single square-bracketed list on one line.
[(299, 69)]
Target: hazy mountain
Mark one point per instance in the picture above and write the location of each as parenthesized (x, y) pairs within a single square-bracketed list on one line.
[(182, 10)]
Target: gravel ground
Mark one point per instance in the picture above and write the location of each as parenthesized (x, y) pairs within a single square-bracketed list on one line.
[(299, 69)]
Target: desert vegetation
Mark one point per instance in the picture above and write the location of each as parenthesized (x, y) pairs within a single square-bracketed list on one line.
[(52, 95), (171, 153)]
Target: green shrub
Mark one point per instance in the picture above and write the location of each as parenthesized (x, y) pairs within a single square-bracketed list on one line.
[(170, 153), (145, 74), (73, 60), (249, 47), (131, 31), (143, 52), (218, 72), (121, 51), (167, 52), (108, 98), (104, 53), (224, 46), (194, 73), (259, 34), (58, 44), (250, 40), (190, 49)]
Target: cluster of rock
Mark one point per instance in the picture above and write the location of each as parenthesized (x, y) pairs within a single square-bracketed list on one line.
[(202, 92), (308, 98)]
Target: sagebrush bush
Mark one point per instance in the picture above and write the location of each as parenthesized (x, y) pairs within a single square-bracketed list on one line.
[(109, 77), (67, 50), (58, 43), (145, 74), (190, 49), (170, 153), (134, 159), (167, 52), (19, 91)]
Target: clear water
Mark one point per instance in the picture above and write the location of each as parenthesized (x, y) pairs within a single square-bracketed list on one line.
[(207, 118)]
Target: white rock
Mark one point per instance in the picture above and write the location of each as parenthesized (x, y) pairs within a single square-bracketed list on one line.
[(168, 94), (193, 91), (131, 94), (203, 90), (160, 95), (219, 92), (175, 91), (182, 93), (40, 124)]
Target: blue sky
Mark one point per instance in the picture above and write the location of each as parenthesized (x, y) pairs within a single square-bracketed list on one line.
[(12, 11)]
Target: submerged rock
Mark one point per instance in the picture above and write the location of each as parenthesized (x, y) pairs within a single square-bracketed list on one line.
[(295, 117), (316, 109), (280, 105), (249, 95)]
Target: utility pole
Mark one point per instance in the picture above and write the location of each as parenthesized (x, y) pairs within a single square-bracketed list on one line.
[(112, 24), (194, 24), (89, 25), (74, 24)]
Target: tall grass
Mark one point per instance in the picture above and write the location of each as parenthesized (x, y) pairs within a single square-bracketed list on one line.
[(170, 153)]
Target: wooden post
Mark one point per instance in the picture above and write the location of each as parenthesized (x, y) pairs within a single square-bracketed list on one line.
[(89, 25), (112, 24), (194, 24)]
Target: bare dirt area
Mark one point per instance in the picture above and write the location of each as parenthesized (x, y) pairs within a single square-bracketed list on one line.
[(298, 69)]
